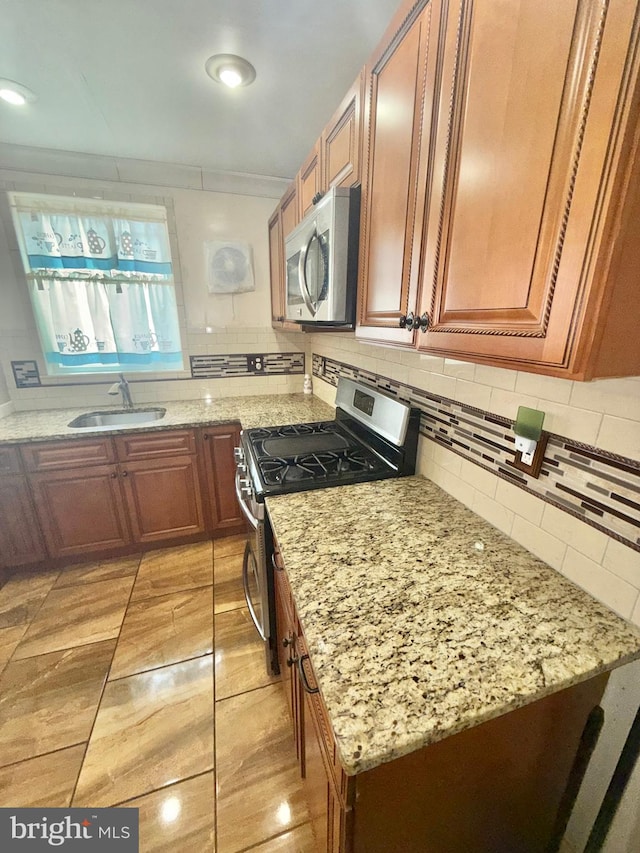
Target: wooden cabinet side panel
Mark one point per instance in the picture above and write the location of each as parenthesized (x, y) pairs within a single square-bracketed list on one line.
[(20, 538), (309, 180), (289, 210), (494, 787), (219, 445), (80, 510), (163, 498), (58, 455), (276, 267)]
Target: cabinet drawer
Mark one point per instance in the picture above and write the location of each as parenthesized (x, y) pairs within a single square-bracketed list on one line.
[(154, 444), (52, 455), (10, 460)]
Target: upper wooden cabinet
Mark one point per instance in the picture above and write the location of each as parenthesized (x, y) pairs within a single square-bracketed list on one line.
[(341, 141), (401, 79), (283, 220), (309, 181), (529, 178)]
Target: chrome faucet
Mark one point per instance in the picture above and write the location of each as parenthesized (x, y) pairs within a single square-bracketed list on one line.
[(122, 387)]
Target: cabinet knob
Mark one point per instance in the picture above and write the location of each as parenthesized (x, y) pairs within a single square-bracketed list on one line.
[(402, 322), (125, 474), (206, 436), (423, 323), (113, 475), (317, 198), (287, 641)]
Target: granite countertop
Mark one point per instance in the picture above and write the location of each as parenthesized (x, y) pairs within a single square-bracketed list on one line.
[(264, 410), (423, 620)]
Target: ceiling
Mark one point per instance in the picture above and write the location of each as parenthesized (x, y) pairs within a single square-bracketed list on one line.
[(126, 78)]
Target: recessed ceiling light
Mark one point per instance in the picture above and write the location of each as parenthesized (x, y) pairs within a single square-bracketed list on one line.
[(15, 93), (229, 69)]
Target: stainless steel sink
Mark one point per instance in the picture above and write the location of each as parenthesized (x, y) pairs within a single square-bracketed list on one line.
[(128, 417)]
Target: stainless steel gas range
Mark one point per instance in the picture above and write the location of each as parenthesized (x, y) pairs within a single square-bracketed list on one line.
[(373, 437)]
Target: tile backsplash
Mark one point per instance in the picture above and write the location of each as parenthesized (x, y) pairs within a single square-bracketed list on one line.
[(600, 488)]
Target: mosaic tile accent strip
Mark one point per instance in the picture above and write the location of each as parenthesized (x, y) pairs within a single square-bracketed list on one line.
[(600, 488), (246, 364), (26, 374)]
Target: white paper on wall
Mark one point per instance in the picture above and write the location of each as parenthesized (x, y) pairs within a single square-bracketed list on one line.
[(229, 266)]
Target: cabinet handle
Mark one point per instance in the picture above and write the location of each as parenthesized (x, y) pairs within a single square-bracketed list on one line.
[(287, 641), (303, 675), (124, 474), (274, 563), (113, 475), (423, 323), (405, 321), (206, 436)]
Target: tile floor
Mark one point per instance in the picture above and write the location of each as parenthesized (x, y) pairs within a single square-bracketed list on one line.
[(140, 681)]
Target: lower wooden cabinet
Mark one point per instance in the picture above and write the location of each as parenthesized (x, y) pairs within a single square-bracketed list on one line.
[(98, 495), (81, 510), (497, 786), (21, 542), (219, 470)]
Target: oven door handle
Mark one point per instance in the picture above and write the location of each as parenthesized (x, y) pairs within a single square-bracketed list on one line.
[(245, 583), (243, 506)]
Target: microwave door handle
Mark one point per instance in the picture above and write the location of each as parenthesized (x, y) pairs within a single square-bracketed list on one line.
[(302, 274)]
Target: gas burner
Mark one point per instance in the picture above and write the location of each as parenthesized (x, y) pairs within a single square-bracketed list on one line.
[(289, 430), (319, 467)]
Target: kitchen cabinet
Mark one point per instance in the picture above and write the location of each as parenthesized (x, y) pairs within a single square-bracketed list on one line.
[(309, 180), (525, 253), (20, 537), (147, 489), (282, 222), (218, 444), (496, 786), (399, 108), (341, 141)]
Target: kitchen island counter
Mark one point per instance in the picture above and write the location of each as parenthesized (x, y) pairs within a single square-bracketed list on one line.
[(258, 411), (422, 620)]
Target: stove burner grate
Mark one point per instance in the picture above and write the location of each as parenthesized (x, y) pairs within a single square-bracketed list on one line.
[(327, 466)]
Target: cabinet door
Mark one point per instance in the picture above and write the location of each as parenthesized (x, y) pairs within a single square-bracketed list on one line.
[(341, 141), (317, 785), (80, 510), (163, 498), (20, 537), (309, 181), (289, 210), (276, 267), (219, 443), (525, 123), (399, 108)]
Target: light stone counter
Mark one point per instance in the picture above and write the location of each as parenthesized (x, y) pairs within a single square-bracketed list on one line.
[(423, 620), (265, 410)]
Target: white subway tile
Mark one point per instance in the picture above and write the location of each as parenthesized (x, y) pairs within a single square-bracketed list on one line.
[(493, 512), (459, 369), (619, 435), (599, 582), (618, 397), (544, 387), (497, 377), (481, 479), (473, 394), (579, 424), (452, 484), (506, 403), (622, 561), (523, 503), (446, 459), (433, 363), (540, 543), (589, 541)]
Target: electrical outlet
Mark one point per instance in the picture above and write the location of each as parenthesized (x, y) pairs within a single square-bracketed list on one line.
[(255, 363)]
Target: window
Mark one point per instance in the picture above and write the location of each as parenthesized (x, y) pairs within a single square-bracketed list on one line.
[(101, 284)]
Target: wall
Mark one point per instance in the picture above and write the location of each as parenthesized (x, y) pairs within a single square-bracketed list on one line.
[(605, 414), (211, 324)]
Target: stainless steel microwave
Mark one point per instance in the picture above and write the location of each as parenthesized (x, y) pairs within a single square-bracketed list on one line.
[(322, 262)]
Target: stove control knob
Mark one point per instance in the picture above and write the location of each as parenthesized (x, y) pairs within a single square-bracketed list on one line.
[(242, 468), (238, 454)]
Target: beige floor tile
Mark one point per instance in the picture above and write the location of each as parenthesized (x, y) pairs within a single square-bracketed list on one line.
[(229, 545), (151, 730), (22, 596), (260, 793), (228, 593), (98, 570), (9, 639), (49, 702), (240, 655), (298, 840), (174, 570), (164, 630), (47, 780), (178, 819), (75, 616)]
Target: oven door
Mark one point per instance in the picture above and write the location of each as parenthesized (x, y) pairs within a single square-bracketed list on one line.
[(254, 566)]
